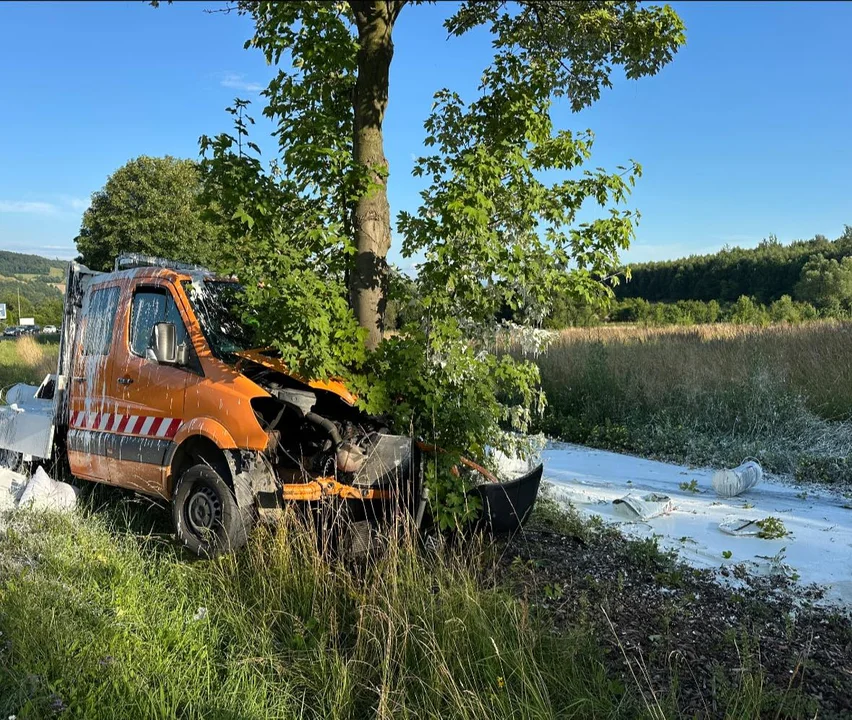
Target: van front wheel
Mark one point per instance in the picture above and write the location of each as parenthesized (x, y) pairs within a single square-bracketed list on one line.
[(206, 516)]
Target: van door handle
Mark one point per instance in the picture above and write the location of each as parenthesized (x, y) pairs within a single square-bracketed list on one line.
[(80, 379), (125, 380)]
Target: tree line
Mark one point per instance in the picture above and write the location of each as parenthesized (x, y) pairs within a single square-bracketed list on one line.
[(818, 271)]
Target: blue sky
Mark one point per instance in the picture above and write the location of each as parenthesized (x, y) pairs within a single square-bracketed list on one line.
[(746, 133)]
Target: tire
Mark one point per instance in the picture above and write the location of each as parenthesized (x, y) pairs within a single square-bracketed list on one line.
[(205, 513)]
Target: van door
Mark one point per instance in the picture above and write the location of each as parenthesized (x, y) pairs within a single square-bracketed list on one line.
[(151, 395), (90, 391)]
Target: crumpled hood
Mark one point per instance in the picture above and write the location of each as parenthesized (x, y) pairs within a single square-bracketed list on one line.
[(267, 358)]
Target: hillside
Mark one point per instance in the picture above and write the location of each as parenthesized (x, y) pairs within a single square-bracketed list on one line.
[(765, 273), (40, 283), (26, 267)]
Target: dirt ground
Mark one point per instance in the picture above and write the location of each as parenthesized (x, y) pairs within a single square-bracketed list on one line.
[(687, 640)]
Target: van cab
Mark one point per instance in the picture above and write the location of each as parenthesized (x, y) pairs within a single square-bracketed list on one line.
[(166, 396)]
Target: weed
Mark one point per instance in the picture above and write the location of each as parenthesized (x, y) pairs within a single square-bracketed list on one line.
[(771, 528), (727, 554), (691, 486)]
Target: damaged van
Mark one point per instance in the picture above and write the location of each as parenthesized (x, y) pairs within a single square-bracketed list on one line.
[(159, 390)]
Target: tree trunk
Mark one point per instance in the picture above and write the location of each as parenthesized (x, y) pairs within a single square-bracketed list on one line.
[(371, 217)]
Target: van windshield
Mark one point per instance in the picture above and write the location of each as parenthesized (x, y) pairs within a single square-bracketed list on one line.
[(214, 303)]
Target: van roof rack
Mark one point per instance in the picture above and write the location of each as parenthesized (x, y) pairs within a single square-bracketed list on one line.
[(127, 261)]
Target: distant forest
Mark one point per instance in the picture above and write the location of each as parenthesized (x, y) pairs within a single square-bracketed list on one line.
[(764, 273), (14, 264)]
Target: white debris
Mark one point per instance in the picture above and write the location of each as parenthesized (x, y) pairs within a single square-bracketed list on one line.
[(730, 483), (644, 507), (818, 546), (741, 527), (39, 492), (11, 486)]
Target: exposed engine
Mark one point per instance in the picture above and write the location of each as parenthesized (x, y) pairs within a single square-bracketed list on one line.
[(314, 433)]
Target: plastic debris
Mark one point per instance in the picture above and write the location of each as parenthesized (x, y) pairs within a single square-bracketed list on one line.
[(740, 527), (733, 482), (44, 493), (12, 484), (644, 507)]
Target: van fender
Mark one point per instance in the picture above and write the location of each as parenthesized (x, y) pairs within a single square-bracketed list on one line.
[(206, 427)]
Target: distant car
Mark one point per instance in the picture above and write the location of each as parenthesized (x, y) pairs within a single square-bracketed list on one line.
[(30, 329), (13, 331), (49, 330)]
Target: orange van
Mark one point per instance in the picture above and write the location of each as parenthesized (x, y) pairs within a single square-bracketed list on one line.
[(159, 390)]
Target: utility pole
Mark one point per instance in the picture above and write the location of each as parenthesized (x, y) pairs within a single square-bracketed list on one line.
[(19, 306)]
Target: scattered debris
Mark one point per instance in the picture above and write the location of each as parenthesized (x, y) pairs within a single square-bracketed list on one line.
[(689, 633), (39, 492), (741, 527), (736, 481), (818, 539), (643, 507)]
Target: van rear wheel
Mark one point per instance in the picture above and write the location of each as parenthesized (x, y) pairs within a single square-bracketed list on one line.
[(206, 515)]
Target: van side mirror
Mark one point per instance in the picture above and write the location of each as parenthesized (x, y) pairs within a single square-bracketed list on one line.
[(165, 343)]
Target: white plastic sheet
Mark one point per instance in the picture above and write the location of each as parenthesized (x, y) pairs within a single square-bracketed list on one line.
[(644, 507), (44, 493), (40, 491)]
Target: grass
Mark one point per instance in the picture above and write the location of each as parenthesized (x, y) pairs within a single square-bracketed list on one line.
[(104, 619), (26, 360), (707, 394), (102, 615)]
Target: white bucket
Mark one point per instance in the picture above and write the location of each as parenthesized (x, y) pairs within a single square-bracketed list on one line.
[(729, 483)]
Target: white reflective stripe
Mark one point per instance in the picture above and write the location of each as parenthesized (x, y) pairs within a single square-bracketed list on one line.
[(165, 424), (104, 421), (91, 422), (130, 423), (146, 426), (116, 421)]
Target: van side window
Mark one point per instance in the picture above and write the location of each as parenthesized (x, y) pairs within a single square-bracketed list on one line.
[(152, 306), (99, 321)]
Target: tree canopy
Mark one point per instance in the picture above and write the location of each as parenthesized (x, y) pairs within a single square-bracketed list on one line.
[(826, 282), (150, 205), (497, 224)]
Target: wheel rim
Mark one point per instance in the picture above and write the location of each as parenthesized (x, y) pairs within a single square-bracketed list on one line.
[(204, 510)]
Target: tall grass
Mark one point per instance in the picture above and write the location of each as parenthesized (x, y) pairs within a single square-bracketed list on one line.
[(26, 360), (705, 394), (105, 624)]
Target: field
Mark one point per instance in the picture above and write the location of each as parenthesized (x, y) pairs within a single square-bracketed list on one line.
[(26, 360), (710, 394)]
